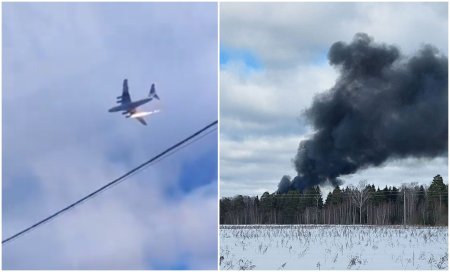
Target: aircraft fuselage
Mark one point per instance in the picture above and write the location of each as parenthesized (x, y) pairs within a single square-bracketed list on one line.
[(130, 106)]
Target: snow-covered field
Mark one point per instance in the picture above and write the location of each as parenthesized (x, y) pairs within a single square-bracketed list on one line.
[(333, 247)]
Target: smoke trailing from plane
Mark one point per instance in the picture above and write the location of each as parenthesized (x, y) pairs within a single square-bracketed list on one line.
[(383, 106)]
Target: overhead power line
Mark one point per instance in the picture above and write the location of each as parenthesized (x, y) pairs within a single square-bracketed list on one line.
[(156, 158)]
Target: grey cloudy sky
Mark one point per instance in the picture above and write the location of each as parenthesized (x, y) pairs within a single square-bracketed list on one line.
[(63, 66), (273, 62)]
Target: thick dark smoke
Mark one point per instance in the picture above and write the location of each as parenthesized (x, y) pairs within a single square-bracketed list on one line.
[(285, 184), (383, 106)]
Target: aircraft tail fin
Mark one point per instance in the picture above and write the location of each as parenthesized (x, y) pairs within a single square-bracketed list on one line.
[(152, 93)]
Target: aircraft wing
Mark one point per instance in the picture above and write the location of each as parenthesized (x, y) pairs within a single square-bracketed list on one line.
[(125, 97), (140, 119)]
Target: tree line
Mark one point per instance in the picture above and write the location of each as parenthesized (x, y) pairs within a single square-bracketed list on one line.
[(364, 204)]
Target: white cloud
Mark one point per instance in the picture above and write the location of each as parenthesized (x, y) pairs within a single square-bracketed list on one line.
[(273, 92), (256, 164), (269, 101), (282, 34), (126, 228), (407, 170)]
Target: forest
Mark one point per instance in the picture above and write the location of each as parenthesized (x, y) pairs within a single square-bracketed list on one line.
[(410, 204)]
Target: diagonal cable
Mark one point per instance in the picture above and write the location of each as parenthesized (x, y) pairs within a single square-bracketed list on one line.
[(106, 186)]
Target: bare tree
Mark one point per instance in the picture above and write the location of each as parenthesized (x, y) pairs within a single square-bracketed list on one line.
[(360, 195)]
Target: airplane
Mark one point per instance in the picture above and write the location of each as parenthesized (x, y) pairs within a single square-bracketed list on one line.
[(129, 107)]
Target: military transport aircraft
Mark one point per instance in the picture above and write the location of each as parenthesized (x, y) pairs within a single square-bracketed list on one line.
[(130, 108)]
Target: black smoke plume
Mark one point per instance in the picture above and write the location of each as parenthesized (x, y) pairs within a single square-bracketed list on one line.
[(383, 106)]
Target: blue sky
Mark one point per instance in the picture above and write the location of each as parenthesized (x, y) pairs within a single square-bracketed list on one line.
[(274, 61), (247, 57), (63, 66)]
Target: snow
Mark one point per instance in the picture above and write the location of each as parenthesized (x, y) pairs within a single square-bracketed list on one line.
[(333, 247)]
